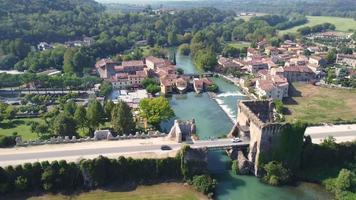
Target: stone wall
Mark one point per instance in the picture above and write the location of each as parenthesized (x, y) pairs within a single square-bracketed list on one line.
[(264, 132), (109, 136)]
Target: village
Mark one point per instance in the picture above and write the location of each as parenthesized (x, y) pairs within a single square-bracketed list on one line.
[(269, 71)]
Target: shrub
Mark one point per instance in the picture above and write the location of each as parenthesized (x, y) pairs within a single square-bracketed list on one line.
[(204, 183), (276, 174), (7, 141), (213, 88), (235, 167)]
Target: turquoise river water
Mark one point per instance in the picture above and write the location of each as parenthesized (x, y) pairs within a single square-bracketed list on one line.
[(214, 118)]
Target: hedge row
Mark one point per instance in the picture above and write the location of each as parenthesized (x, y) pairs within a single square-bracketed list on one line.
[(63, 176), (60, 176)]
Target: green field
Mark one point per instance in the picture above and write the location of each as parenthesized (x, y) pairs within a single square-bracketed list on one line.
[(166, 191), (20, 126), (341, 24), (315, 104), (239, 44)]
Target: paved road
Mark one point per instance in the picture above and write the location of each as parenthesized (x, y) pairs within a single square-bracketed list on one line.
[(19, 156), (341, 133)]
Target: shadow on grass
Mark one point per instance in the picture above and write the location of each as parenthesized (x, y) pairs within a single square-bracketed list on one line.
[(293, 92), (12, 124), (113, 187)]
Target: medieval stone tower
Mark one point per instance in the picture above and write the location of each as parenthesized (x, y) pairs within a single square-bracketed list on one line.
[(256, 122)]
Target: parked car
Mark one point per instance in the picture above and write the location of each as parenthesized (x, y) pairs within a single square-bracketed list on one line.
[(236, 140), (165, 148)]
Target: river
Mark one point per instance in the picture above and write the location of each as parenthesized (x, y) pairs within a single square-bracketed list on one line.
[(212, 121)]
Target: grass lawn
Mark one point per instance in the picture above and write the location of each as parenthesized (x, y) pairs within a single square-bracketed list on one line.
[(318, 104), (341, 24), (20, 126), (165, 191), (239, 44)]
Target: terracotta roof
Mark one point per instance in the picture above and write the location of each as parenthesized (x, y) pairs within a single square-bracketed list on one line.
[(133, 63), (266, 85), (198, 83), (103, 62), (207, 81), (298, 68), (181, 82), (155, 60)]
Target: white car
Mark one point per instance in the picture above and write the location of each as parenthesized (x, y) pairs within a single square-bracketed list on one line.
[(236, 140)]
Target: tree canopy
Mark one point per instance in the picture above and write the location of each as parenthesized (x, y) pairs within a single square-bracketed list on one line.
[(155, 110)]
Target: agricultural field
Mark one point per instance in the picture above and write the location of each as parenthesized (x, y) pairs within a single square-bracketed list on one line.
[(166, 191), (315, 104), (341, 24)]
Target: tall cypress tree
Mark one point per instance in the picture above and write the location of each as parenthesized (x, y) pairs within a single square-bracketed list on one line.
[(122, 119)]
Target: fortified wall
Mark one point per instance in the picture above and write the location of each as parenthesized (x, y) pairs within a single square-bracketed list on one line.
[(256, 122)]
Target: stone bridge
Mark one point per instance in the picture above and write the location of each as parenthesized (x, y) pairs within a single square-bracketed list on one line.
[(220, 144)]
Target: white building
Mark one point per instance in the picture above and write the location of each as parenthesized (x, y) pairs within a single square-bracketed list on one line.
[(272, 87)]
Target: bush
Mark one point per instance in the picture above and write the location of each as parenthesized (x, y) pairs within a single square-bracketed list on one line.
[(62, 176), (204, 183), (213, 88), (235, 167), (276, 174), (7, 141)]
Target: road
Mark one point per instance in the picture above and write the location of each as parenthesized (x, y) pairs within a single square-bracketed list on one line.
[(342, 133), (114, 149)]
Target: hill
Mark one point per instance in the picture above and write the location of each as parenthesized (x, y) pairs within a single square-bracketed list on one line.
[(55, 20)]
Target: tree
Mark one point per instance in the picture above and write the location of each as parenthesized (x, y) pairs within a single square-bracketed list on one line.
[(80, 117), (48, 177), (180, 71), (205, 60), (230, 51), (153, 89), (70, 108), (68, 66), (21, 183), (346, 180), (148, 81), (156, 110), (331, 56), (64, 125), (122, 119), (10, 112), (172, 38), (105, 89), (108, 107), (95, 115)]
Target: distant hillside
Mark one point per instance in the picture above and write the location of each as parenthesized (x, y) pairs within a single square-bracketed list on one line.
[(48, 20), (340, 8)]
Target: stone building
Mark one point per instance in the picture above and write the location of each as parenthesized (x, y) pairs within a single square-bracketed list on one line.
[(256, 122), (182, 130)]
